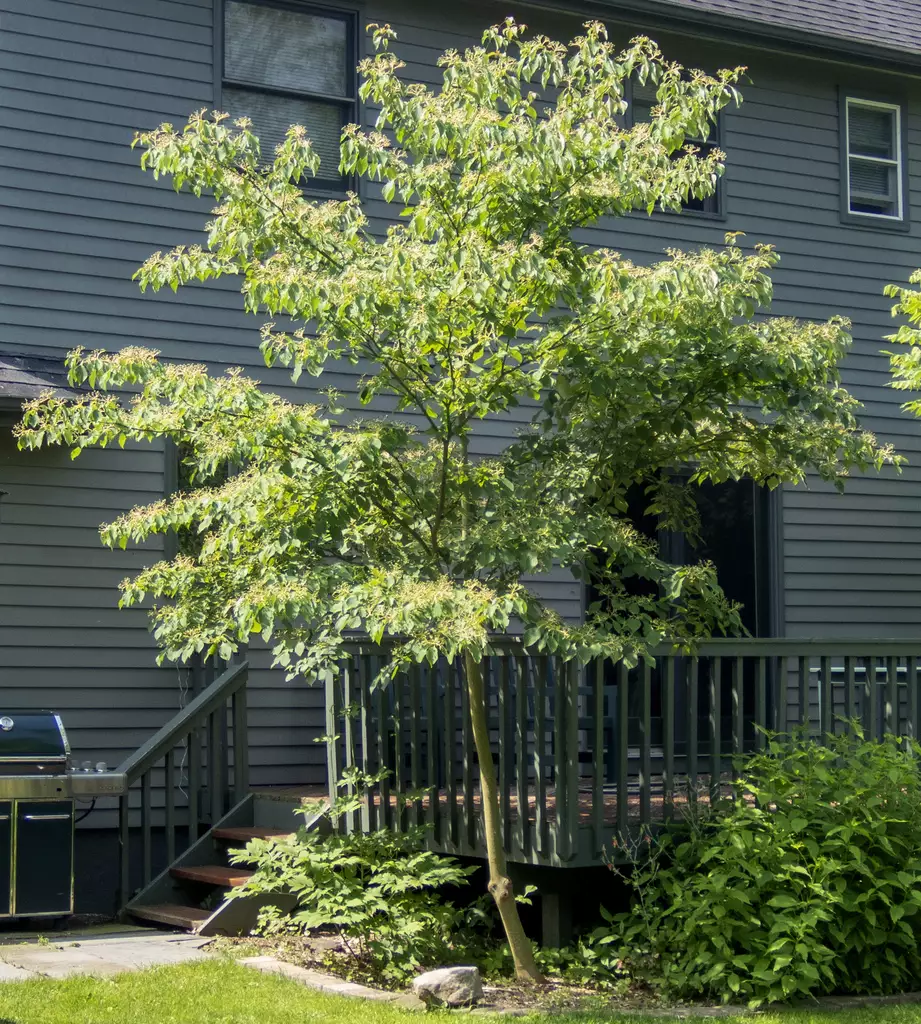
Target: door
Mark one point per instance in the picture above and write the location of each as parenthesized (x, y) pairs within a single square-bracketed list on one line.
[(44, 857)]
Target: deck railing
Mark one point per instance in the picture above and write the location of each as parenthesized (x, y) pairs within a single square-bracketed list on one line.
[(198, 762), (585, 753)]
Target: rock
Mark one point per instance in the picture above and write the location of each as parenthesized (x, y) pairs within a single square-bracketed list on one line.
[(450, 986)]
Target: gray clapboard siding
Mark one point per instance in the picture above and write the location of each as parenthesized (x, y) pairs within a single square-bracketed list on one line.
[(78, 77)]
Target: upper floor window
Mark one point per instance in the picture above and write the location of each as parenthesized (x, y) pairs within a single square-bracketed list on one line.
[(642, 100), (872, 161), (289, 63)]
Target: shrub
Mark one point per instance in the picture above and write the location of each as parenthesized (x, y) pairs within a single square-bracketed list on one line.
[(379, 891), (811, 883)]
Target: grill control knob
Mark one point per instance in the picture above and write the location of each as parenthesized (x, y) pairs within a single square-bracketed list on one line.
[(6, 723)]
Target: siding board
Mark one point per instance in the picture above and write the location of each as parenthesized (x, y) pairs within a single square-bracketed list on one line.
[(77, 217)]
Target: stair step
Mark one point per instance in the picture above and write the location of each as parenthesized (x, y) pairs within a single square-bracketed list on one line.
[(213, 874), (187, 918), (243, 833)]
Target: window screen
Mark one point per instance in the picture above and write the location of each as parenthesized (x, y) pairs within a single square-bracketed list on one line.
[(874, 159), (643, 99), (287, 64)]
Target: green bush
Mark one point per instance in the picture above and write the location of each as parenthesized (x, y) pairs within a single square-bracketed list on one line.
[(379, 892), (809, 884)]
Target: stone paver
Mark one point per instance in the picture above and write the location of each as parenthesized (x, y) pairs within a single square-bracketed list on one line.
[(97, 954), (328, 983)]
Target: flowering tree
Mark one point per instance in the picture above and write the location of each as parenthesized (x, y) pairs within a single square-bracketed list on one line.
[(478, 299)]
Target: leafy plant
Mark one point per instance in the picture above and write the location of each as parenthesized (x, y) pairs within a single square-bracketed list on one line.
[(810, 883), (380, 892), (481, 299), (592, 961)]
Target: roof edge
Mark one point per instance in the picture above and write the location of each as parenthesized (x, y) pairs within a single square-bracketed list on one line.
[(718, 25)]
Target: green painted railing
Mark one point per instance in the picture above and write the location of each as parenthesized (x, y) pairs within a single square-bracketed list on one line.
[(585, 754), (198, 764)]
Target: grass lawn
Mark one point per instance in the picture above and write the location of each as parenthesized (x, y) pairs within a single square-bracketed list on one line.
[(220, 992)]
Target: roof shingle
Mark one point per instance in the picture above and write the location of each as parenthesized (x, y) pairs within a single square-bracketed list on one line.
[(893, 25)]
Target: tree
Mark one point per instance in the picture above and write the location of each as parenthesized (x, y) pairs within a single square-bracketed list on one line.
[(481, 299), (906, 365)]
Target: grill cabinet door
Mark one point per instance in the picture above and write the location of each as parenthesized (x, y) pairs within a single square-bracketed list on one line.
[(44, 857), (6, 856)]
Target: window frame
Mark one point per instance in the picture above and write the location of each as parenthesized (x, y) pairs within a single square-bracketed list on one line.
[(867, 98), (715, 140), (348, 104)]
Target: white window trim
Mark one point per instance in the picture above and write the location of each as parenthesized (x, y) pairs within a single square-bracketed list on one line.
[(897, 162)]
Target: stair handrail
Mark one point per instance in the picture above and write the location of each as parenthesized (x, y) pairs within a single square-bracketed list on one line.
[(209, 758), (196, 711)]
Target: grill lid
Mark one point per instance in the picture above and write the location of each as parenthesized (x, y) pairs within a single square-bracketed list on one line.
[(36, 736)]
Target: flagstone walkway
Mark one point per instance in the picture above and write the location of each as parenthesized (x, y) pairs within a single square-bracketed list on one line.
[(99, 953)]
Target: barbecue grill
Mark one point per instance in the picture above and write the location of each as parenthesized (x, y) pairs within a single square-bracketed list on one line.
[(38, 787)]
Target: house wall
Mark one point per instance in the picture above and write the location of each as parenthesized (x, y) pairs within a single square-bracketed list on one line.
[(78, 77)]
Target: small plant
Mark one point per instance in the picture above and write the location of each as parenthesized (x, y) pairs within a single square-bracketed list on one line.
[(594, 961), (380, 892), (809, 883)]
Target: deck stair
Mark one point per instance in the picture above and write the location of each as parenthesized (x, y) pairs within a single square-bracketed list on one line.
[(191, 894)]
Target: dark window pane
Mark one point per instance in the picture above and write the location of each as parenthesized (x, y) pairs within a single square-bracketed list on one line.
[(285, 49), (642, 102), (873, 188), (871, 131), (272, 116)]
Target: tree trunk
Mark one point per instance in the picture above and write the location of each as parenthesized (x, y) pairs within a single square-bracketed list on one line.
[(500, 885)]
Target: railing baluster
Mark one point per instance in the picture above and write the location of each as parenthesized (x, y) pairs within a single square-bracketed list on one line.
[(399, 773), (382, 714), (332, 733), (738, 714), (716, 703), (850, 690), (761, 712), (501, 672), (560, 710), (470, 814), (368, 805), (146, 842), (348, 732), (646, 745), (623, 749), (433, 818), (598, 756), (522, 795), (215, 757), (911, 727), (892, 697), (539, 667), (450, 698), (415, 748), (224, 763), (240, 745), (693, 740), (826, 708), (193, 741), (169, 810), (873, 682), (668, 736), (570, 672), (803, 682)]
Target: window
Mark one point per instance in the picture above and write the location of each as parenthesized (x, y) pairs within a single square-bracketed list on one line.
[(287, 63), (642, 100), (872, 161)]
